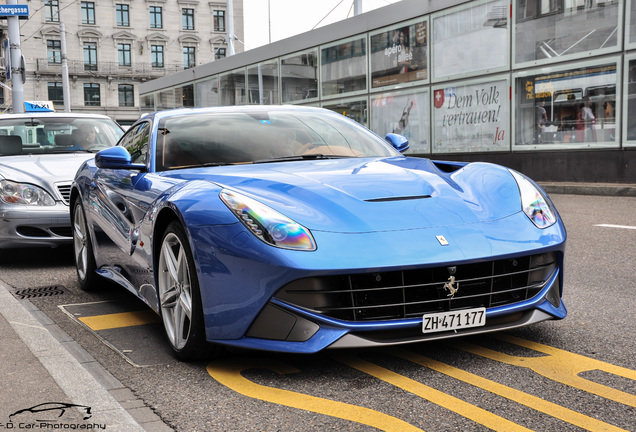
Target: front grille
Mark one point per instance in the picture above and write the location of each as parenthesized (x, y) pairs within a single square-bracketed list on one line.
[(64, 190), (411, 293)]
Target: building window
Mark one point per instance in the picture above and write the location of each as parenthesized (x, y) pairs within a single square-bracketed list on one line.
[(219, 20), (479, 32), (573, 106), (54, 51), (126, 95), (219, 53), (557, 31), (90, 56), (188, 19), (156, 17), (156, 55), (123, 15), (88, 13), (189, 57), (56, 92), (299, 74), (91, 94), (52, 11), (399, 55), (343, 68), (123, 51)]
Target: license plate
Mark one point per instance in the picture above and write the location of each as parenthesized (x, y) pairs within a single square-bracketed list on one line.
[(456, 320)]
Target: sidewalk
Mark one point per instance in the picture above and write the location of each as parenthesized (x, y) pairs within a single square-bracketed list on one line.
[(40, 364), (604, 189)]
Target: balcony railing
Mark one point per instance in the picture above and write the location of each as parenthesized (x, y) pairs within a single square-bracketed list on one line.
[(79, 68)]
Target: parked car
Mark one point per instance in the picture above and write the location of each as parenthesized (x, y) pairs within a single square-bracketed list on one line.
[(39, 156), (295, 229)]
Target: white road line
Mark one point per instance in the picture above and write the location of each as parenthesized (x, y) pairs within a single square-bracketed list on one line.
[(616, 226)]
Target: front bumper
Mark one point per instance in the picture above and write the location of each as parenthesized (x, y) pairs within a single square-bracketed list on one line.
[(24, 226)]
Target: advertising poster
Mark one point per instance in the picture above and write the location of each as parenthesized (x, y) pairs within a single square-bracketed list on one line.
[(399, 55), (471, 118), (405, 114)]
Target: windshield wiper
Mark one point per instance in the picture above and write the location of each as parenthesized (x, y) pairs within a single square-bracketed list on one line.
[(312, 156)]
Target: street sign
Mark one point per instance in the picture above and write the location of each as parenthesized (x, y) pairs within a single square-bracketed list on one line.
[(21, 11)]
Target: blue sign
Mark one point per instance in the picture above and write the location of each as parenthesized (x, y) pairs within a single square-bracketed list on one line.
[(21, 11), (38, 106)]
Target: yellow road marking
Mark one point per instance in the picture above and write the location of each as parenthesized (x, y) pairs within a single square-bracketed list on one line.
[(119, 320), (515, 395), (560, 366), (228, 373), (442, 399)]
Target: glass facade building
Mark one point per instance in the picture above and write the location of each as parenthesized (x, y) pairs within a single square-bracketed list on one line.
[(544, 86)]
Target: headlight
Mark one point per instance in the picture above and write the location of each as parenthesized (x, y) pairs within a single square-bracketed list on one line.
[(267, 224), (535, 205), (25, 194)]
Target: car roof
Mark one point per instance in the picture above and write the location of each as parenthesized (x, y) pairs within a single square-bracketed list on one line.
[(53, 115)]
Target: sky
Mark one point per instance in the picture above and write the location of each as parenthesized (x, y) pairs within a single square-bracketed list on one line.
[(291, 17)]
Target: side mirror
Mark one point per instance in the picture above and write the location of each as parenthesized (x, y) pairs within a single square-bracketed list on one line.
[(399, 142), (116, 158)]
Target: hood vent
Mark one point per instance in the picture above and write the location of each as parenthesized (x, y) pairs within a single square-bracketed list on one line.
[(405, 198)]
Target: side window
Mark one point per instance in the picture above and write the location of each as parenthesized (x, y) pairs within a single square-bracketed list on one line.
[(137, 142)]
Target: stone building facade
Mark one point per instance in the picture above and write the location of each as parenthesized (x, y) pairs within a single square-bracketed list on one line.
[(114, 45)]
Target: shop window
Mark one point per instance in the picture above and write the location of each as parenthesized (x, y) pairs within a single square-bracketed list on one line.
[(471, 117), (631, 101), (399, 55), (471, 39), (354, 109), (547, 31), (262, 83), (299, 76), (564, 108), (232, 87), (405, 113), (206, 92), (344, 68)]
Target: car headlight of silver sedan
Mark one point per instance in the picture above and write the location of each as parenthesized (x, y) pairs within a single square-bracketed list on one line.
[(267, 224), (535, 205), (24, 194)]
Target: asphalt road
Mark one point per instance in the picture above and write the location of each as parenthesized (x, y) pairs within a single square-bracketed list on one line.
[(569, 375)]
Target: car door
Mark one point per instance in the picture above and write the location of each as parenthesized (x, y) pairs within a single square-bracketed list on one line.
[(123, 196)]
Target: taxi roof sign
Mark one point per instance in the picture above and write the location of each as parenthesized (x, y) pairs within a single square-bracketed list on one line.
[(38, 106)]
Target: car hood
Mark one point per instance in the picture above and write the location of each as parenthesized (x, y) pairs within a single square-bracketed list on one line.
[(43, 170), (363, 195)]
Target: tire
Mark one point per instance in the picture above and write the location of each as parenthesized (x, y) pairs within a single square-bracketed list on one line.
[(83, 250), (180, 297)]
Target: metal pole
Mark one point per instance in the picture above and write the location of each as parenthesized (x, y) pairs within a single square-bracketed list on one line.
[(13, 24), (230, 27), (357, 7), (66, 90)]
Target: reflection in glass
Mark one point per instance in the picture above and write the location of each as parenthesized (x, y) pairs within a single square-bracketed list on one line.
[(232, 87), (399, 55), (344, 68), (553, 29), (299, 74), (355, 110), (262, 83), (206, 93), (574, 106), (631, 101), (405, 114), (472, 39)]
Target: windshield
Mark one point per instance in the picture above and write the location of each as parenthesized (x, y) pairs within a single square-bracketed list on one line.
[(262, 136), (43, 135)]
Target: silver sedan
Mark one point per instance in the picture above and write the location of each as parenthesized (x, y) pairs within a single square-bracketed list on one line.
[(39, 155)]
